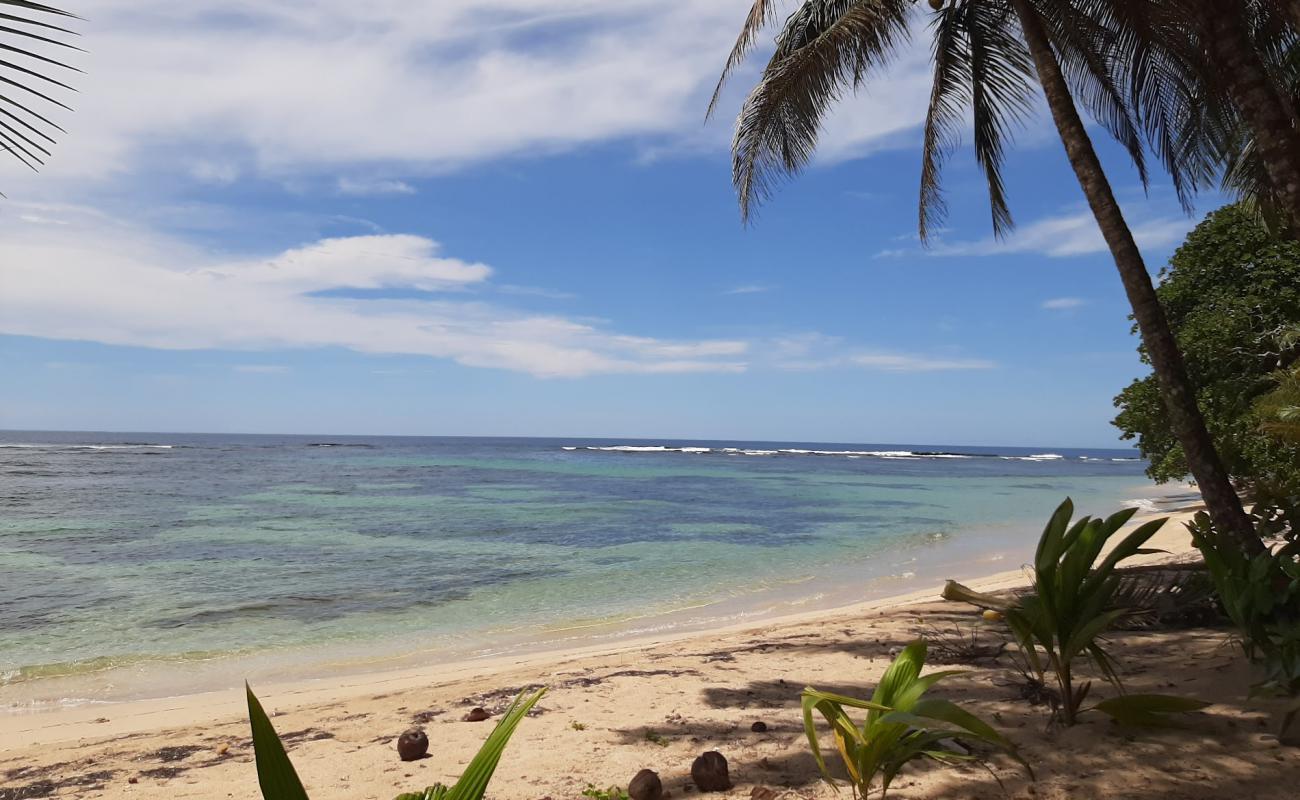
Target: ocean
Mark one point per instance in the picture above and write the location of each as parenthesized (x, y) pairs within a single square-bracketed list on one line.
[(137, 565)]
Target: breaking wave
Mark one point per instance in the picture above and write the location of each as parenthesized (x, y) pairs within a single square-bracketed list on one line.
[(86, 446), (790, 451)]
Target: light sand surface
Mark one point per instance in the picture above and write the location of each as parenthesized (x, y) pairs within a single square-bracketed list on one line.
[(660, 703)]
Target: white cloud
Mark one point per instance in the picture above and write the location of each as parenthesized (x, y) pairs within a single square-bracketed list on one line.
[(1064, 303), (219, 173), (892, 362), (220, 90), (1070, 234), (373, 187), (750, 289), (815, 351), (261, 369), (534, 291), (99, 279), (96, 278)]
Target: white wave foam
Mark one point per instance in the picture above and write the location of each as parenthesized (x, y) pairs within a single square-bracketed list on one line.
[(87, 446), (1146, 505), (796, 451), (873, 453)]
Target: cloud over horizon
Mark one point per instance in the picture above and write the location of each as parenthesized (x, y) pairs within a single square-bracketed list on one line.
[(94, 278), (80, 274)]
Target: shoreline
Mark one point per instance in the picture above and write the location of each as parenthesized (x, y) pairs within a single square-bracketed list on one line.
[(106, 720), (970, 554)]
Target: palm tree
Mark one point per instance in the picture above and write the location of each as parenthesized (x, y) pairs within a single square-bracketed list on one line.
[(1216, 82), (987, 56), (1243, 43), (26, 85)]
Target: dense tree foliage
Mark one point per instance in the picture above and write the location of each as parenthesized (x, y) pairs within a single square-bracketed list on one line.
[(1232, 292)]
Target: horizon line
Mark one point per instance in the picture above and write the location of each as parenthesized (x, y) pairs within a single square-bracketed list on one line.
[(560, 437)]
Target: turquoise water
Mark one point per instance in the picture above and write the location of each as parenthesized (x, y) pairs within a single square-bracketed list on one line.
[(121, 555)]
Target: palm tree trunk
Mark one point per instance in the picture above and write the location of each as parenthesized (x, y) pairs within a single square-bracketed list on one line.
[(1258, 98), (1176, 389)]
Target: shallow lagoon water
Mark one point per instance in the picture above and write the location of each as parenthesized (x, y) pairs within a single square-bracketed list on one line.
[(205, 558)]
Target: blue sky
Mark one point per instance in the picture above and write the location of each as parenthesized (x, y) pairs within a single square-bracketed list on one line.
[(508, 217)]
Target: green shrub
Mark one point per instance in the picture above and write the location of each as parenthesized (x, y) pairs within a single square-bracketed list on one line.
[(902, 725), (279, 780), (612, 793), (1070, 606), (1261, 595)]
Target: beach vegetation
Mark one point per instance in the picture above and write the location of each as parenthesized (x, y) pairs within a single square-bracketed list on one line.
[(279, 780), (1231, 293), (1279, 409), (612, 793), (902, 725), (1261, 595), (654, 737), (1166, 596), (991, 58), (1071, 604), (577, 726), (970, 644)]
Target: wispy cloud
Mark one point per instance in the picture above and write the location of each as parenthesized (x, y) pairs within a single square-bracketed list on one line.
[(1070, 234), (815, 351), (534, 291), (892, 362), (372, 187), (220, 173), (749, 289), (1063, 303), (261, 369)]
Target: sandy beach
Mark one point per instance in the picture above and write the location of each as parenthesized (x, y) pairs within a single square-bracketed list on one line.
[(658, 704)]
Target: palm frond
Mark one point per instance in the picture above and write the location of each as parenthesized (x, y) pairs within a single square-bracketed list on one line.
[(1160, 51), (825, 47), (1001, 96), (757, 19), (1095, 54), (978, 64), (945, 117), (27, 78)]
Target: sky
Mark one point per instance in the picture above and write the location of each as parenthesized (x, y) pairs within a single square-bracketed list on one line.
[(510, 217)]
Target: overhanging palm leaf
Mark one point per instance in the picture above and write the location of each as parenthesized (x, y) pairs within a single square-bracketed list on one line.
[(825, 46), (26, 81), (759, 15), (1177, 89), (977, 65), (981, 65)]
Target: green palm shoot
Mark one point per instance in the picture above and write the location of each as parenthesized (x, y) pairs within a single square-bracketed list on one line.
[(279, 780), (902, 725), (1071, 606)]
